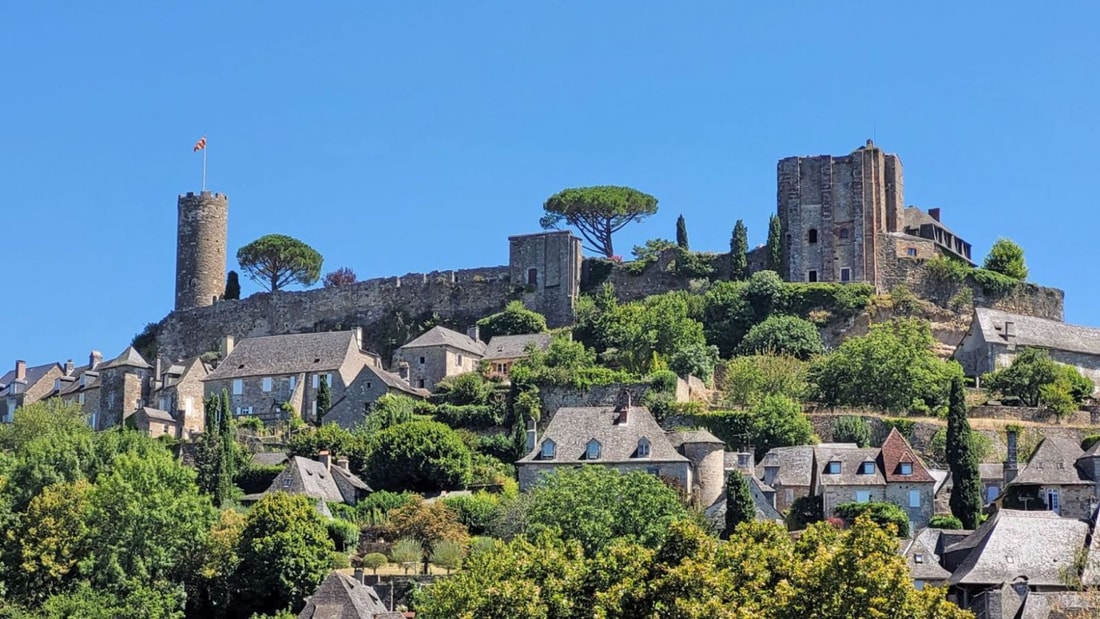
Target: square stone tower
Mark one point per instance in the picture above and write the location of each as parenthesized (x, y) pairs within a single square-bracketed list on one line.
[(832, 211), (546, 272)]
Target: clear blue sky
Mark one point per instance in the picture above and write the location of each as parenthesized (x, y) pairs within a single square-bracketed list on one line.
[(405, 136)]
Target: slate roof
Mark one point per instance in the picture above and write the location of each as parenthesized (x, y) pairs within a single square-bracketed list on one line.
[(313, 479), (796, 465), (716, 512), (129, 358), (269, 458), (940, 478), (442, 336), (896, 450), (393, 381), (572, 428), (343, 597), (1038, 332), (515, 346), (32, 375), (1058, 605), (157, 414), (1038, 545), (1053, 463), (991, 472), (297, 353), (693, 436), (915, 217), (923, 562), (850, 460)]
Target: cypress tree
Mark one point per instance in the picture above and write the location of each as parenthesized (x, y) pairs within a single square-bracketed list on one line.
[(739, 252), (739, 504), (962, 459), (215, 454), (232, 286), (775, 244), (681, 233), (324, 397)]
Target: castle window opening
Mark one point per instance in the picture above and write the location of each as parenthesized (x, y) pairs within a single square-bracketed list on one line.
[(532, 277), (422, 361), (845, 274), (812, 236), (811, 276), (844, 234), (420, 383), (911, 252)]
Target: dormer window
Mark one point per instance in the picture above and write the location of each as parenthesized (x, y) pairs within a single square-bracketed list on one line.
[(643, 447), (592, 450), (905, 468), (833, 467), (548, 450), (918, 558), (867, 468)]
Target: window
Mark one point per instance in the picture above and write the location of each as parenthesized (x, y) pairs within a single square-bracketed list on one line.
[(592, 450), (905, 468), (812, 236), (918, 558), (459, 360), (548, 449), (911, 252), (316, 381), (1054, 503), (80, 398), (286, 482), (914, 498), (238, 386), (422, 361), (643, 448), (867, 468), (788, 495), (863, 496), (845, 274), (811, 276), (532, 277), (843, 234), (370, 385), (293, 382), (991, 493), (833, 468), (267, 384), (502, 368), (420, 383)]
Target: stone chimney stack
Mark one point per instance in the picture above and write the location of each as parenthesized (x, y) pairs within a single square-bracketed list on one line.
[(226, 346), (622, 406), (94, 359), (474, 332), (934, 213), (325, 458), (358, 332), (343, 463), (20, 370), (69, 367), (771, 469), (1011, 467)]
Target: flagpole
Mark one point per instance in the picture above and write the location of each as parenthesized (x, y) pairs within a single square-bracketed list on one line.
[(204, 166)]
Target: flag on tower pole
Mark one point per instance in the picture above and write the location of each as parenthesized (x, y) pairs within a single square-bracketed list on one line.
[(201, 145)]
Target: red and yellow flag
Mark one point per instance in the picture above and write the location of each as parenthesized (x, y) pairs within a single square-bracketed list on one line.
[(200, 145)]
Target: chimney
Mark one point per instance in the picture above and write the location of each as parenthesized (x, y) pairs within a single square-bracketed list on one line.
[(20, 370), (771, 469), (358, 576), (474, 333), (69, 367), (343, 463), (403, 370), (226, 346), (934, 213), (622, 406), (1010, 466), (325, 458), (532, 435), (94, 359)]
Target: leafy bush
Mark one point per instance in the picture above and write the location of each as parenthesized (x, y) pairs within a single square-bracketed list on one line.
[(256, 478), (477, 511), (805, 510), (903, 426), (464, 389), (374, 561), (994, 283), (497, 445), (783, 335), (748, 379), (693, 264), (1006, 258), (775, 421), (420, 455), (980, 443), (945, 522), (514, 320), (881, 513), (663, 381), (1036, 379), (344, 534), (661, 405), (472, 416), (339, 560), (852, 429), (406, 552), (905, 302), (948, 270)]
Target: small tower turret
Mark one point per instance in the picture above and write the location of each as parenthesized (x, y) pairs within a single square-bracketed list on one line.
[(201, 249)]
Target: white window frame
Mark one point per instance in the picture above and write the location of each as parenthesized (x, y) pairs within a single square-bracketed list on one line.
[(829, 467), (643, 448), (914, 498), (266, 383), (238, 386), (316, 381)]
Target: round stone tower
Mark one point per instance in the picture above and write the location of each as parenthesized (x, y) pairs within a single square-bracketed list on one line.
[(200, 249)]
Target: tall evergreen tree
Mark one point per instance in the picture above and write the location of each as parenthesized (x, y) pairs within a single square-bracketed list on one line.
[(232, 286), (775, 244), (324, 398), (215, 455), (739, 252), (962, 459), (681, 233), (739, 504)]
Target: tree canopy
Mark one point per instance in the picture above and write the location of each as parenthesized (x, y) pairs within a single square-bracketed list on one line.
[(597, 212), (783, 335), (1036, 380), (1007, 258), (516, 319), (277, 260), (775, 244), (419, 455), (962, 458)]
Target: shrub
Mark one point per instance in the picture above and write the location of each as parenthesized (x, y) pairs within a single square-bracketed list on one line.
[(945, 522), (420, 455), (1089, 441), (881, 513), (344, 534), (471, 416), (748, 379), (257, 478), (374, 561), (905, 302), (339, 560), (804, 511), (1006, 258), (663, 381), (994, 283), (464, 389), (948, 270), (852, 429), (447, 554), (783, 335), (904, 426), (384, 500), (476, 511), (514, 320), (406, 552)]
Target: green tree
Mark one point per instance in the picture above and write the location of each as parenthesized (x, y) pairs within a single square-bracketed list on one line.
[(217, 455), (1024, 378), (447, 555), (428, 524), (773, 421), (374, 561), (232, 286), (52, 540), (966, 497), (783, 335), (775, 244), (681, 233), (1007, 258), (881, 513), (739, 252), (852, 429), (739, 504), (276, 260), (893, 367), (284, 551), (406, 552), (464, 390), (597, 212), (324, 397), (764, 294), (514, 320), (595, 505), (748, 379), (420, 455)]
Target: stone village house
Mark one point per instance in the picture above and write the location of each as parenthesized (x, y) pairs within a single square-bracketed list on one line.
[(503, 351), (437, 354), (321, 480)]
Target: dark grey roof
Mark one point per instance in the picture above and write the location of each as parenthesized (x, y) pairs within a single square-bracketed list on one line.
[(515, 346), (287, 354), (442, 336), (129, 358), (923, 562), (308, 477), (343, 597), (269, 458), (1059, 605), (796, 465), (915, 217), (1038, 332), (1038, 545), (393, 381), (682, 437), (1053, 463), (32, 375), (850, 461), (716, 512), (991, 472), (572, 428), (157, 414)]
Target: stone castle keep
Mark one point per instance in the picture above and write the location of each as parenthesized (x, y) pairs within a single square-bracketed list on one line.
[(843, 219)]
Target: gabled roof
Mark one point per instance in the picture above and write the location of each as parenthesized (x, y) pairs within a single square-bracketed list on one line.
[(393, 381), (850, 462), (682, 437), (923, 562), (796, 465), (313, 479), (716, 512), (1053, 463), (916, 217), (442, 336), (129, 358), (991, 472), (515, 346), (157, 414), (1038, 332), (269, 458), (32, 375), (1038, 545), (343, 597), (572, 428), (298, 353), (895, 451)]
